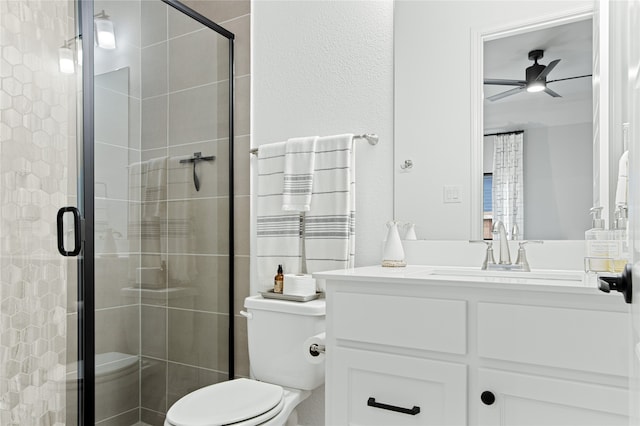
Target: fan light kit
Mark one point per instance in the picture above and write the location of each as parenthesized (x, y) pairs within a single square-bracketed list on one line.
[(535, 78)]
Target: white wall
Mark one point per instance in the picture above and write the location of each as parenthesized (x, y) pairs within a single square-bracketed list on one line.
[(326, 67), (558, 163), (432, 44)]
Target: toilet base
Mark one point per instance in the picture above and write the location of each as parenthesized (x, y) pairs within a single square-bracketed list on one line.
[(289, 416)]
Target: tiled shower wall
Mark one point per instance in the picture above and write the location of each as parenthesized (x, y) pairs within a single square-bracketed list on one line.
[(37, 137), (235, 16), (184, 335)]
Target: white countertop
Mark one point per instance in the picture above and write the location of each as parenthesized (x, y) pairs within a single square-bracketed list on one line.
[(564, 281)]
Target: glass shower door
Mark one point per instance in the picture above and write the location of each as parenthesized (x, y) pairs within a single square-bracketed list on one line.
[(161, 155)]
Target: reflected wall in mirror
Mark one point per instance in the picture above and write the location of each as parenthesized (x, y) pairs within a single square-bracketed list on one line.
[(438, 107), (537, 148)]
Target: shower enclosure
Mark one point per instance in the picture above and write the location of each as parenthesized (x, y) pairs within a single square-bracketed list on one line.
[(127, 133)]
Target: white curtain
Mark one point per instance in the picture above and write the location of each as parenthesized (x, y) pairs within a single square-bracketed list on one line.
[(508, 198)]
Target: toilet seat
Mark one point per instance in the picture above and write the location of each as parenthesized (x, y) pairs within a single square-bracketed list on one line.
[(240, 402)]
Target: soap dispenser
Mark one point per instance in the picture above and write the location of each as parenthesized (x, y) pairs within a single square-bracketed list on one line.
[(278, 281), (600, 246), (393, 253), (621, 237)]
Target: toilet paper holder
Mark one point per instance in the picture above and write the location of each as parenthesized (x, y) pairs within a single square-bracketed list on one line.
[(316, 349)]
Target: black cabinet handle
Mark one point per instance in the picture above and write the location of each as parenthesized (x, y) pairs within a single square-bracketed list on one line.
[(371, 402), (622, 283), (77, 233), (488, 398)]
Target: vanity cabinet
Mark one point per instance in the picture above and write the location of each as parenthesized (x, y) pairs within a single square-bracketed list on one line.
[(403, 349), (376, 388)]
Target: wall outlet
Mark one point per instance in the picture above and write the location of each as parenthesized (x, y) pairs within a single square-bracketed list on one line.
[(452, 193)]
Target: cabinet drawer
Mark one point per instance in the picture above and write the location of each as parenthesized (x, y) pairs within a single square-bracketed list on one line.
[(436, 389), (577, 339), (408, 322)]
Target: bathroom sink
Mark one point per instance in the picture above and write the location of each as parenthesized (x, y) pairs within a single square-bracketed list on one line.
[(543, 276)]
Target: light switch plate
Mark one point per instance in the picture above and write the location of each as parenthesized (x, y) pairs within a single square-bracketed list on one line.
[(452, 194)]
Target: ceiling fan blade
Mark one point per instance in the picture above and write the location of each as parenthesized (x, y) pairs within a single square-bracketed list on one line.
[(552, 93), (547, 69), (504, 82), (505, 94), (569, 78)]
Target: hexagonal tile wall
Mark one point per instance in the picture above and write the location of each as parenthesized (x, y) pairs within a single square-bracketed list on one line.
[(37, 124)]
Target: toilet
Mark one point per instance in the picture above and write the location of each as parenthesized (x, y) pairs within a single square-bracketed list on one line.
[(283, 375), (114, 372)]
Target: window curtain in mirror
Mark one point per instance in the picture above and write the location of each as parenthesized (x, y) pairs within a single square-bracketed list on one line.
[(508, 197)]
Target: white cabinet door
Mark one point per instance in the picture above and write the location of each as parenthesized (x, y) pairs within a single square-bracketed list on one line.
[(522, 399), (371, 388)]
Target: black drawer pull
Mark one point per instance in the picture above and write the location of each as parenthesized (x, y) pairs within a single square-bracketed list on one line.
[(371, 402)]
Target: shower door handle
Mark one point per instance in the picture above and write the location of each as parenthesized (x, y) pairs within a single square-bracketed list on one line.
[(77, 231)]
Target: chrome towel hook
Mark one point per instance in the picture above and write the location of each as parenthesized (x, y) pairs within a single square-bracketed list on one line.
[(406, 165)]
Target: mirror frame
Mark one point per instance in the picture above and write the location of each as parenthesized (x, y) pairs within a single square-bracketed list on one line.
[(600, 90)]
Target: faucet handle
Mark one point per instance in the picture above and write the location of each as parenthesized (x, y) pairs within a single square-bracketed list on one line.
[(522, 254), (488, 258), (522, 243)]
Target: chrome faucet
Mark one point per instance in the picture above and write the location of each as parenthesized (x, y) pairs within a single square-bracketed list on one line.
[(505, 264), (505, 256)]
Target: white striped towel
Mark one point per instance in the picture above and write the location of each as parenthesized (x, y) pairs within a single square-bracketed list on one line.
[(179, 227), (148, 181), (299, 160), (329, 227), (278, 239)]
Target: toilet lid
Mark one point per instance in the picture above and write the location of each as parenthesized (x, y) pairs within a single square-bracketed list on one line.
[(225, 403)]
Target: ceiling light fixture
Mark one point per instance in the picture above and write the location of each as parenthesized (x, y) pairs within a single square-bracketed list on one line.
[(105, 35), (536, 86)]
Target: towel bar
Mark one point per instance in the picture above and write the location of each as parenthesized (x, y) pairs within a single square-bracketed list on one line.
[(372, 138)]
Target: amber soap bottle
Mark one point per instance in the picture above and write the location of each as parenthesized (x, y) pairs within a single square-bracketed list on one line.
[(278, 281)]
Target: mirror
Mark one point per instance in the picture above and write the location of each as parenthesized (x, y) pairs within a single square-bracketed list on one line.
[(538, 146), (439, 120)]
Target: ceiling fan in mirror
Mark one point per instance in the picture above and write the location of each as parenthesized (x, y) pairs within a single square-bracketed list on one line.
[(535, 79)]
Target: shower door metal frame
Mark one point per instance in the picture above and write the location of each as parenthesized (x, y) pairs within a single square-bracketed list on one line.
[(86, 205)]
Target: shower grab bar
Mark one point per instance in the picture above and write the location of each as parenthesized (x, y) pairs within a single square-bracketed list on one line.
[(372, 138), (197, 157)]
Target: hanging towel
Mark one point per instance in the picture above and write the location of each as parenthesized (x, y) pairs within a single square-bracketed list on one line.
[(299, 163), (329, 227), (134, 225), (178, 230), (148, 181), (622, 189), (278, 233)]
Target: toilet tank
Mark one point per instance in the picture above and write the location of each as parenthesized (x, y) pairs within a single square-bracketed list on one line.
[(277, 330)]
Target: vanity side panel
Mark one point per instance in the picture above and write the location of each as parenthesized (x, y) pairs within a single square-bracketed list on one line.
[(576, 339), (407, 322)]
